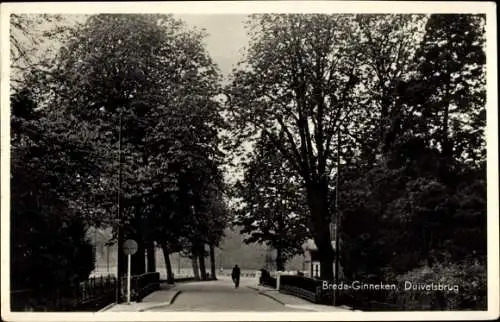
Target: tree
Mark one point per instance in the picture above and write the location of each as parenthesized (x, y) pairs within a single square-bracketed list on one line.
[(48, 231), (33, 37), (451, 71), (147, 73), (218, 220), (419, 188), (296, 89), (386, 49), (274, 210), (208, 213)]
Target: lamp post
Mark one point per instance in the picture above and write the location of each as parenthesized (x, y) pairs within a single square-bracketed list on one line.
[(179, 264), (120, 219), (337, 219)]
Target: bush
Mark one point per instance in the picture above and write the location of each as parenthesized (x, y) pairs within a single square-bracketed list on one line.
[(469, 276), (48, 252)]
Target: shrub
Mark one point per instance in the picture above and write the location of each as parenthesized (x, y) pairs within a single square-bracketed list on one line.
[(48, 252), (469, 276)]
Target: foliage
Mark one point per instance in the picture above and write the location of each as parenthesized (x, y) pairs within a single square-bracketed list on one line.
[(148, 79), (33, 38), (272, 208), (55, 242), (41, 196), (406, 94), (469, 276), (426, 195), (295, 88)]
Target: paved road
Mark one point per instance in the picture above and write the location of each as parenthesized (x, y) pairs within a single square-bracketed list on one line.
[(221, 296)]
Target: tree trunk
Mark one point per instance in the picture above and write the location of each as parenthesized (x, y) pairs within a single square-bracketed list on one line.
[(212, 262), (194, 263), (317, 197), (447, 149), (168, 264), (151, 257), (138, 265), (279, 260), (281, 231), (139, 258), (201, 258), (121, 258)]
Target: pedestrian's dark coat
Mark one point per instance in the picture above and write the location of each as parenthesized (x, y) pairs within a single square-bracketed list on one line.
[(236, 272)]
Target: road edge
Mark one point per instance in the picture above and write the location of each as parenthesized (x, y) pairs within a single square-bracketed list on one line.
[(301, 307), (174, 296), (294, 305), (273, 298), (107, 307), (167, 303), (265, 294)]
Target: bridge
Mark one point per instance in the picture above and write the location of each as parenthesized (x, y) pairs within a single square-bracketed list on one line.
[(220, 296)]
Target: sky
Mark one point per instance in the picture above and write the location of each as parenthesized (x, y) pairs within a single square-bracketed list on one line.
[(227, 37), (225, 41)]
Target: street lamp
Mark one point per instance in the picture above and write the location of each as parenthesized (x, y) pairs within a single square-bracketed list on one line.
[(337, 219), (120, 219)]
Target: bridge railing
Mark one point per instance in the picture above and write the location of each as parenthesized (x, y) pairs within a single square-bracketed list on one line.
[(140, 286), (89, 295)]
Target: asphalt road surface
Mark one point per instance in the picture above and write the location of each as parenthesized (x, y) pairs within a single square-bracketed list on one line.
[(221, 296)]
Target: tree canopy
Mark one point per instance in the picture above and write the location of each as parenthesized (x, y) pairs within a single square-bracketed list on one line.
[(405, 93), (124, 126), (149, 80)]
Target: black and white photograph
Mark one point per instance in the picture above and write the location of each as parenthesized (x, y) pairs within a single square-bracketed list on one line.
[(267, 160)]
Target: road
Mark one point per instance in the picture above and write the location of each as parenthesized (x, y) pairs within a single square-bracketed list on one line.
[(221, 296)]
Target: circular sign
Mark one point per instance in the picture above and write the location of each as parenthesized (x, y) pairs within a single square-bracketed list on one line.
[(130, 247)]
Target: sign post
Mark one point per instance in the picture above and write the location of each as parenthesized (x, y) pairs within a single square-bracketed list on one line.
[(128, 277), (129, 248)]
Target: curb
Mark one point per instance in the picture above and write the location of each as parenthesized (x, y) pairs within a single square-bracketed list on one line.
[(293, 306), (107, 307), (316, 309), (167, 303), (261, 292), (174, 296), (273, 298)]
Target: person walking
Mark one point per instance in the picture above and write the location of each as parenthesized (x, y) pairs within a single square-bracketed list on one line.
[(236, 276)]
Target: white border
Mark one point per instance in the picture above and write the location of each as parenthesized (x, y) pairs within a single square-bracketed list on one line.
[(246, 7)]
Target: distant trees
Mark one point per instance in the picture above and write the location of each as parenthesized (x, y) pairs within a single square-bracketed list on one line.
[(272, 208)]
